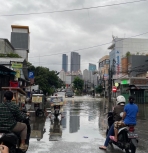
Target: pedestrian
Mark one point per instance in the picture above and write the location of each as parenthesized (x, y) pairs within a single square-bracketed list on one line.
[(10, 117), (120, 101), (129, 117)]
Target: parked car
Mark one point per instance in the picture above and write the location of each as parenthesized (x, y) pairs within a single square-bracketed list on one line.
[(69, 93)]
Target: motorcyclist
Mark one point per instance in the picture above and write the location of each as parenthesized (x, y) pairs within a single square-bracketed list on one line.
[(11, 117), (4, 149), (118, 109), (129, 117)]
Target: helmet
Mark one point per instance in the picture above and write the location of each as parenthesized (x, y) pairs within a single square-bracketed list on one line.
[(120, 99)]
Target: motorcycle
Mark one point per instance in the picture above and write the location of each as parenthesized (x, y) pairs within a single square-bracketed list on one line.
[(56, 105), (12, 140), (127, 138)]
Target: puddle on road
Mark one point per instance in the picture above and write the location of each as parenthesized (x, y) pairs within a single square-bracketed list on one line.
[(80, 124)]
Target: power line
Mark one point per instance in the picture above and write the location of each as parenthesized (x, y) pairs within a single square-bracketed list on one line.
[(76, 9), (81, 49)]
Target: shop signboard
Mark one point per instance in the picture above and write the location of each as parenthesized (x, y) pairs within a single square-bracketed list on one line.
[(138, 81), (17, 65)]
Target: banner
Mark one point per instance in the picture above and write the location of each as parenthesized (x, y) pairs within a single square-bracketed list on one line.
[(17, 65), (18, 73)]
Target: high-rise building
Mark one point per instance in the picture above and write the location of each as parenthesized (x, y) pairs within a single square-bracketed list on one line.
[(92, 67), (75, 62), (20, 40), (65, 62)]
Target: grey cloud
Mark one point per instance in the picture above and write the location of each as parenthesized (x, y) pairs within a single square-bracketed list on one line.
[(68, 31)]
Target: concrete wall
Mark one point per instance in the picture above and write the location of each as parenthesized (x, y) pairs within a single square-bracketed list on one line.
[(137, 64), (5, 47), (22, 53)]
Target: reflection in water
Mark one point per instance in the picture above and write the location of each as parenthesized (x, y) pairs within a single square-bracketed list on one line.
[(74, 122), (64, 120), (92, 113), (143, 111), (37, 128), (102, 117), (55, 129)]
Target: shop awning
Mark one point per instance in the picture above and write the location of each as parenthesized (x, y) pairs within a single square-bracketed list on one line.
[(6, 71)]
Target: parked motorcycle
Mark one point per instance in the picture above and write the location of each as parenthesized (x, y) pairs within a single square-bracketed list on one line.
[(127, 138)]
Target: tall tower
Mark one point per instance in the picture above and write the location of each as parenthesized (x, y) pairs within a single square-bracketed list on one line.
[(20, 40), (65, 62), (92, 67), (75, 62)]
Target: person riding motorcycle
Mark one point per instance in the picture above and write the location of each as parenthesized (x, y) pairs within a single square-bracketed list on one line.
[(11, 117), (129, 117), (4, 149), (118, 109)]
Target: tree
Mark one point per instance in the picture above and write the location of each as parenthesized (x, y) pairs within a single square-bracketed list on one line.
[(47, 80), (99, 89), (78, 85), (128, 54)]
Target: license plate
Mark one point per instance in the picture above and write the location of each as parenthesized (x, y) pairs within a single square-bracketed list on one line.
[(132, 135)]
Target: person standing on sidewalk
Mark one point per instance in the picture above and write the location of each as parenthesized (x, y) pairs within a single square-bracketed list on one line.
[(129, 117), (119, 108)]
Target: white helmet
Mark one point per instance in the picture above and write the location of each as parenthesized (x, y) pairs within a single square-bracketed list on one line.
[(120, 100)]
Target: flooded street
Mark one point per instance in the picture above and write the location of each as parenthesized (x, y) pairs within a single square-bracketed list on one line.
[(81, 130)]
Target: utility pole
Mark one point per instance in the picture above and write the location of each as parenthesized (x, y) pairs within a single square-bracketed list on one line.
[(110, 84), (109, 88)]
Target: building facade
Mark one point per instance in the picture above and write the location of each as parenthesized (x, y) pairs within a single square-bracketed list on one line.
[(103, 66), (65, 62), (92, 67), (75, 62), (132, 68), (120, 47), (20, 40), (6, 47), (62, 75)]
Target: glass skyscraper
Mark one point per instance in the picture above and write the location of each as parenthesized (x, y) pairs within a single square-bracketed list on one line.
[(65, 62), (75, 62), (92, 67)]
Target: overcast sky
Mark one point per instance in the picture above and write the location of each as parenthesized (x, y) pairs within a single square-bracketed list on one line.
[(52, 33)]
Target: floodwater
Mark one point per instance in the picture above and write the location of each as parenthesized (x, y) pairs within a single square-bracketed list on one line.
[(81, 130)]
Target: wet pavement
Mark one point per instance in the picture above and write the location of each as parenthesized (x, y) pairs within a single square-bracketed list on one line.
[(81, 130)]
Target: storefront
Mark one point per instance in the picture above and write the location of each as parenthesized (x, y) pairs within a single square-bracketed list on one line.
[(6, 75), (135, 86), (139, 88)]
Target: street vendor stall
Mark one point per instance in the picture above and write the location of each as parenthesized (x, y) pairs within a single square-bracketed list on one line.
[(19, 96), (56, 103), (38, 104)]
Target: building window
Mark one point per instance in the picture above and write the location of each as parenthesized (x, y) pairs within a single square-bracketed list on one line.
[(107, 61)]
